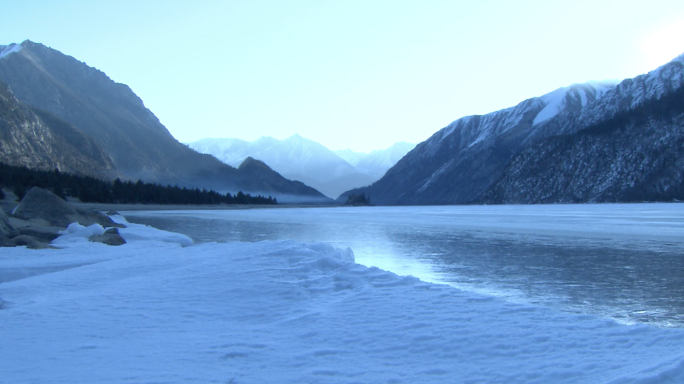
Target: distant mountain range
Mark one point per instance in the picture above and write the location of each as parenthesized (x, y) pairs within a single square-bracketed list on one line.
[(547, 149), (298, 158), (377, 162), (94, 109)]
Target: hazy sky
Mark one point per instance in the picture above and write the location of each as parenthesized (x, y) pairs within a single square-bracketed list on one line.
[(348, 74)]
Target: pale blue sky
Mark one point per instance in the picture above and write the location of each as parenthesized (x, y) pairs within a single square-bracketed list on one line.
[(349, 74)]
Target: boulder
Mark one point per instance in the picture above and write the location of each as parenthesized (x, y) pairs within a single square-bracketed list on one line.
[(46, 234), (5, 242), (30, 242), (6, 229), (39, 204), (109, 237), (97, 217), (45, 205)]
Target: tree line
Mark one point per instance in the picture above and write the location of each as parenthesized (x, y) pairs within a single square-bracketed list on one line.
[(92, 190), (358, 200)]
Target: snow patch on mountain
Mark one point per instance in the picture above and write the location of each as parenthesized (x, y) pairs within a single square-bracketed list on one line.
[(576, 96), (6, 50), (531, 112), (628, 94)]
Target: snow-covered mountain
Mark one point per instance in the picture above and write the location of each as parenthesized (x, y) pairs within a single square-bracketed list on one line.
[(377, 162), (632, 157), (294, 155), (298, 158), (461, 161), (626, 95)]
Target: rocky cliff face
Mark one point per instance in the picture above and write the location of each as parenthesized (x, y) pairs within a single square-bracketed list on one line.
[(633, 156), (39, 140), (461, 162), (139, 145), (85, 97)]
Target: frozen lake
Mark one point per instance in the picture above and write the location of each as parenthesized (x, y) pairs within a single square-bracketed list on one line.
[(159, 309), (620, 261)]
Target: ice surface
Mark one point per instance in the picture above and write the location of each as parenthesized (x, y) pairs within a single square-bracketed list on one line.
[(136, 232), (290, 312), (581, 259)]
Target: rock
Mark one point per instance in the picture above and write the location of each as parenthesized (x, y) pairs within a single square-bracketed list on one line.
[(5, 242), (39, 204), (46, 234), (97, 217), (6, 229), (112, 213), (30, 242), (109, 237)]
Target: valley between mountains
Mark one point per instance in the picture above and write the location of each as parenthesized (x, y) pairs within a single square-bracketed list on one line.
[(600, 141)]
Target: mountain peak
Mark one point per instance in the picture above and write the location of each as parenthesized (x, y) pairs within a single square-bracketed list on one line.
[(252, 163), (297, 138)]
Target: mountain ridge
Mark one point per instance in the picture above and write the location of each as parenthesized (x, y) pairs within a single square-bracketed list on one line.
[(632, 157), (458, 163), (117, 119)]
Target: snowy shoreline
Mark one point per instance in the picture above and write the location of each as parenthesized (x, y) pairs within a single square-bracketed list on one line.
[(152, 310)]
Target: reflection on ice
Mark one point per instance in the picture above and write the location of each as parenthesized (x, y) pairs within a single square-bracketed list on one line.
[(619, 261)]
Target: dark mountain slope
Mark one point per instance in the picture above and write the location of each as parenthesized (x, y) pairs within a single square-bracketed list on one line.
[(461, 162), (140, 146), (290, 191), (636, 155), (39, 140), (458, 163)]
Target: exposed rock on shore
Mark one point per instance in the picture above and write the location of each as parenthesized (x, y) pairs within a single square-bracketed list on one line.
[(109, 237), (39, 204), (41, 215), (6, 229)]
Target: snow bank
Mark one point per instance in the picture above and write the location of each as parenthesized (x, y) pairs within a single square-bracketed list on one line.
[(288, 312), (75, 233), (139, 232)]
